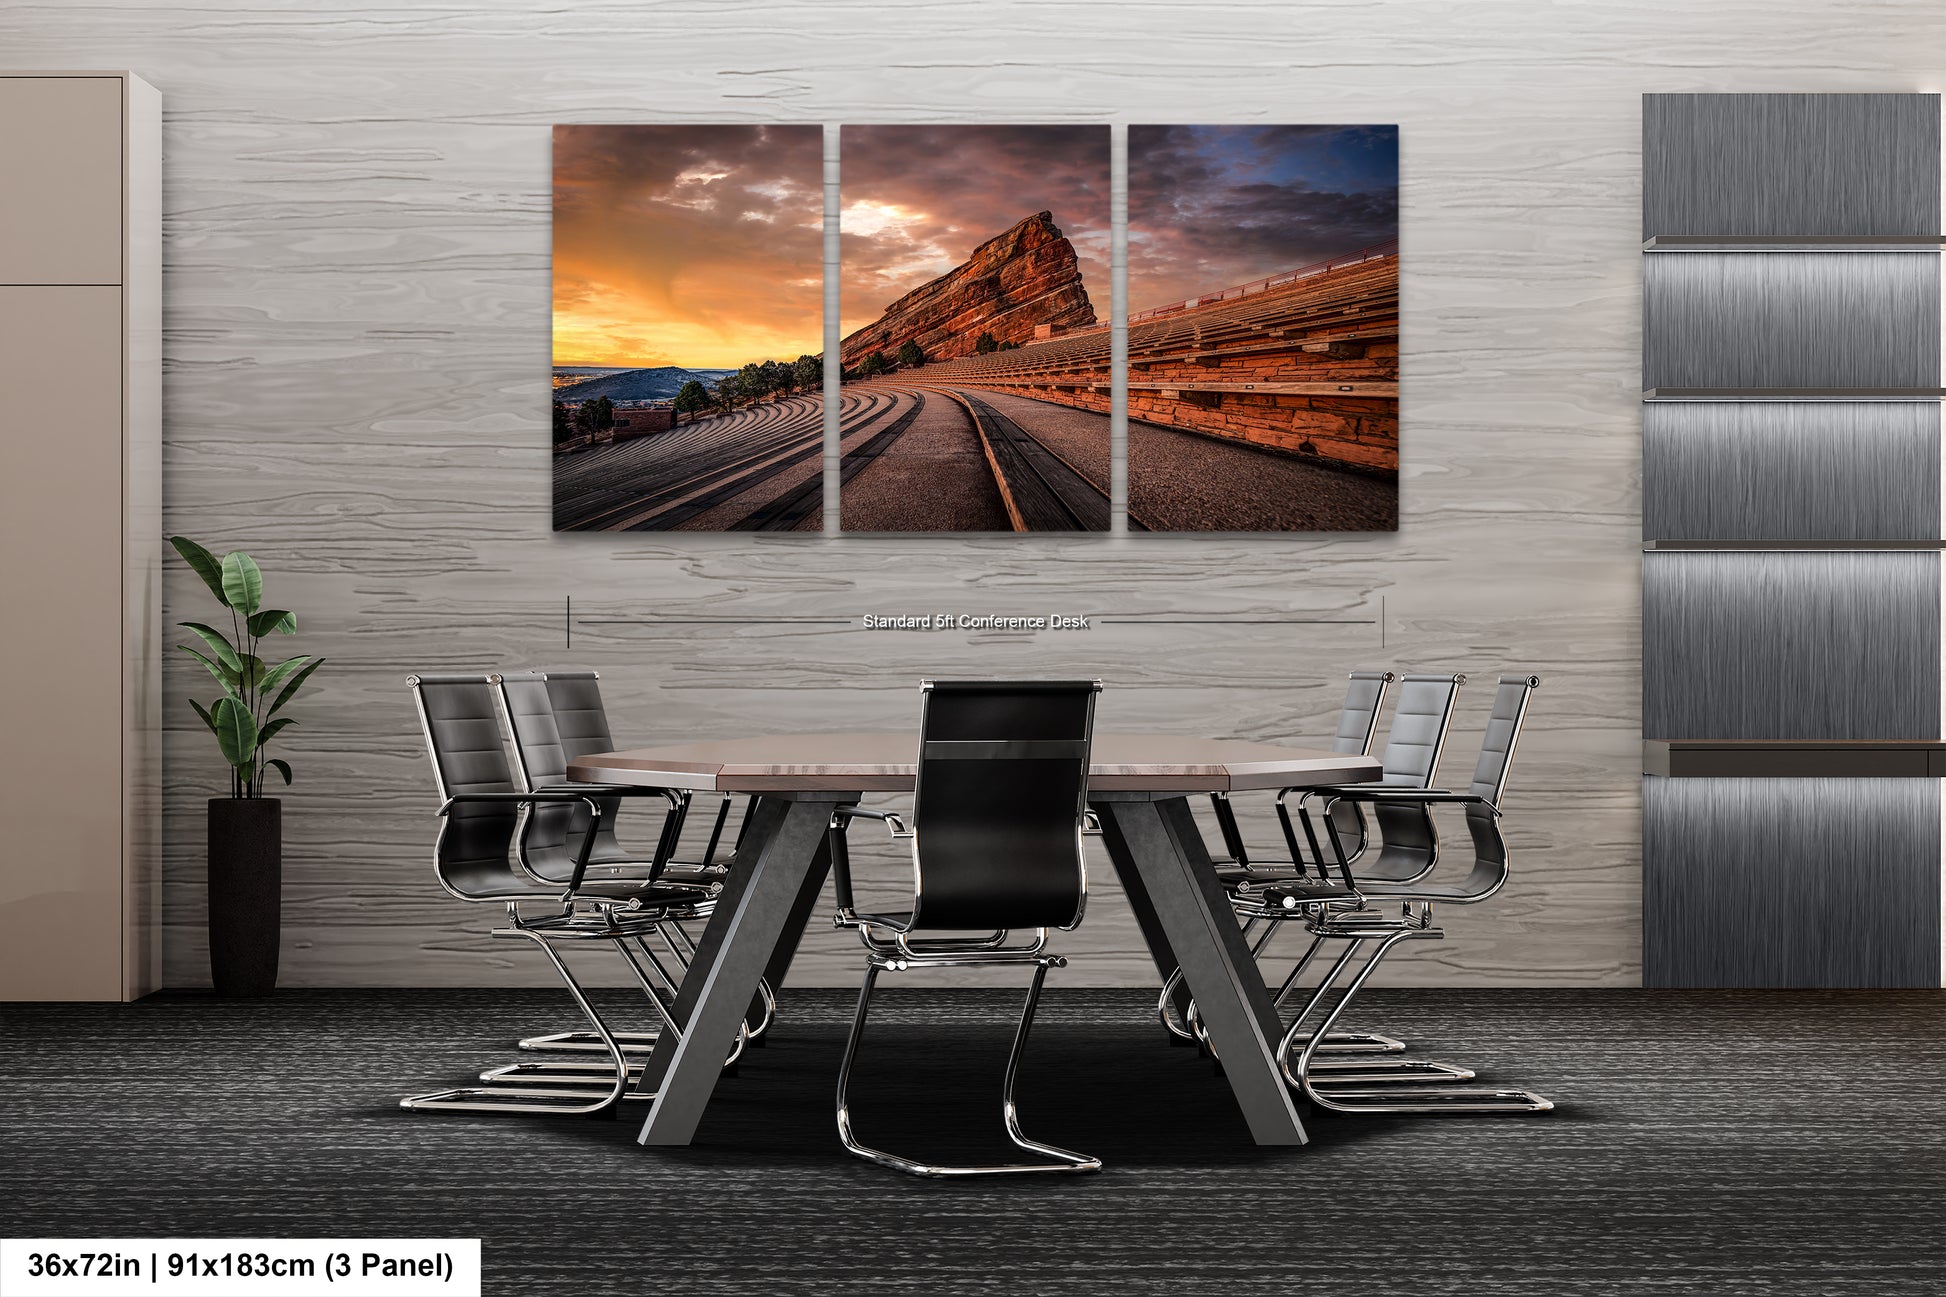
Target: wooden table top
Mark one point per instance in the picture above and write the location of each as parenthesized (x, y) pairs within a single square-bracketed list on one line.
[(1154, 763)]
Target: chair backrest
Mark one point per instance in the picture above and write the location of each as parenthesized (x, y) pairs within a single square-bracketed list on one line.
[(1413, 747), (1502, 735), (997, 809), (1420, 721), (1357, 724), (1358, 719), (462, 731), (543, 709), (579, 716), (1490, 857)]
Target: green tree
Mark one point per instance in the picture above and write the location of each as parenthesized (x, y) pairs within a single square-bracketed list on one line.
[(810, 372), (563, 424), (985, 343), (911, 355), (872, 364), (691, 398), (595, 415), (750, 382)]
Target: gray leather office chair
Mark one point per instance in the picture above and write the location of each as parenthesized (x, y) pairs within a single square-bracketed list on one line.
[(998, 814), (1357, 725), (555, 717), (1414, 743), (1357, 924), (475, 860)]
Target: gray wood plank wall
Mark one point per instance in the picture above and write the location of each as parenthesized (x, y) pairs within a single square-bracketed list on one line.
[(357, 348)]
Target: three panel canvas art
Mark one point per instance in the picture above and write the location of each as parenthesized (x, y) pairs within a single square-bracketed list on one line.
[(977, 374)]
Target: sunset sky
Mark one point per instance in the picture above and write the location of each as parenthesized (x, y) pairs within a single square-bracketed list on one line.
[(687, 245), (918, 199), (1210, 207)]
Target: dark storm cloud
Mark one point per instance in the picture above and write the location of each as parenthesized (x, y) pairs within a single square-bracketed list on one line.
[(1214, 206)]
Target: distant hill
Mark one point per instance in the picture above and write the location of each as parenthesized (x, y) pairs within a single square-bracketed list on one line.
[(637, 384)]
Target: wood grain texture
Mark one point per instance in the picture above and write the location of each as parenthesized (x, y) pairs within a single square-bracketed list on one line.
[(358, 347)]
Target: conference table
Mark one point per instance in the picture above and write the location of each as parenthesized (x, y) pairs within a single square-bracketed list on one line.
[(1138, 784)]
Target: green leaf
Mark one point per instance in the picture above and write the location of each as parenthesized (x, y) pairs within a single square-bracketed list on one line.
[(205, 564), (203, 712), (270, 678), (283, 768), (243, 583), (269, 731), (224, 675), (291, 688), (218, 642), (273, 619), (236, 731), (251, 673)]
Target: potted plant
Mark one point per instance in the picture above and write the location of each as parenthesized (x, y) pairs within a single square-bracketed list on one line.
[(246, 848)]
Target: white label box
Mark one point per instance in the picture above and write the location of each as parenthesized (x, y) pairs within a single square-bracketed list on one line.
[(239, 1267)]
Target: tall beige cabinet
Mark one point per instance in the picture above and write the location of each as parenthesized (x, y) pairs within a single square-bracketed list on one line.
[(81, 529)]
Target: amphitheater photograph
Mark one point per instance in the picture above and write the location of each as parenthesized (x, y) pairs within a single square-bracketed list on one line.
[(1263, 330), (688, 308), (974, 289)]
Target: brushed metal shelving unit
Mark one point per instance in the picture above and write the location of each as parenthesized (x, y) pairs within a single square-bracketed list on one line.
[(1792, 551)]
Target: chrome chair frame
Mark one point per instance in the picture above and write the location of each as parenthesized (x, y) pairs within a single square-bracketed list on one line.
[(535, 730), (1356, 925), (893, 943), (1357, 727), (620, 912)]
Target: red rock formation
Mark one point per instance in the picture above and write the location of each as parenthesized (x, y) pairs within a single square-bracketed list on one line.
[(1012, 283)]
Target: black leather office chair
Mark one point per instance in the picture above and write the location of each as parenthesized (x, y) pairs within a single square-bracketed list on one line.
[(554, 718), (998, 814), (475, 860), (1358, 925)]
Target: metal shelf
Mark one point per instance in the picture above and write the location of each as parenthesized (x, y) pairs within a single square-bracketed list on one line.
[(1794, 758), (1882, 546), (1794, 394), (1794, 243)]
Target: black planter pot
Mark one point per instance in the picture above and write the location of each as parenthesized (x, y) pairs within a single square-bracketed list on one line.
[(246, 885)]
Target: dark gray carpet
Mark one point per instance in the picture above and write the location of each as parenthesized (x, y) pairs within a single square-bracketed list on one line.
[(1719, 1143)]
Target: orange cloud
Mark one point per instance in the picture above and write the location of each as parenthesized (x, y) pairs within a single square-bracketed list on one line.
[(687, 245)]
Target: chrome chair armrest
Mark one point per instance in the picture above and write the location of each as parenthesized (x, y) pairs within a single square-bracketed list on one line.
[(1420, 796), (891, 819), (670, 795), (837, 846), (596, 811), (551, 796)]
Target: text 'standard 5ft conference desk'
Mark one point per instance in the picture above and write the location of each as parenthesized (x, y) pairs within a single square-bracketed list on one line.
[(1139, 785)]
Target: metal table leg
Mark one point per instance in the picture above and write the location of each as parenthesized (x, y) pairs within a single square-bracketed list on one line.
[(759, 900), (1157, 850)]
